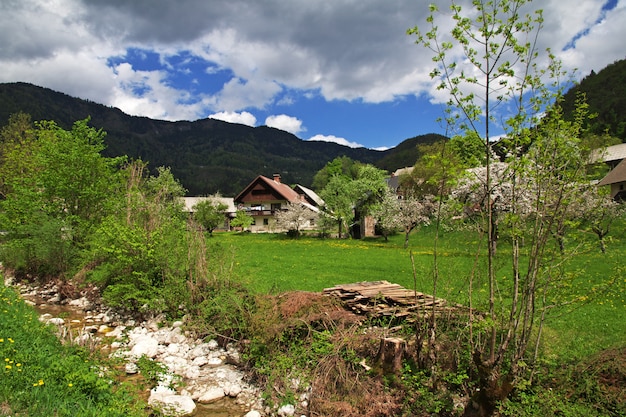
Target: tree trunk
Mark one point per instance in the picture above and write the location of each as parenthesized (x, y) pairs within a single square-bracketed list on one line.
[(390, 354)]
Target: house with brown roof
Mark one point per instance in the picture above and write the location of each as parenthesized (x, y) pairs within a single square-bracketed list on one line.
[(616, 179), (615, 157), (264, 197)]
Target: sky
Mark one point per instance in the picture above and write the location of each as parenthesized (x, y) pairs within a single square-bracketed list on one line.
[(343, 71)]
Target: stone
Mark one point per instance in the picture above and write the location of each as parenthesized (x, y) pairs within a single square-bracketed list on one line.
[(286, 410), (145, 345), (212, 344), (170, 404), (200, 361), (252, 413), (233, 390), (56, 320), (131, 368), (82, 302), (211, 394), (215, 361)]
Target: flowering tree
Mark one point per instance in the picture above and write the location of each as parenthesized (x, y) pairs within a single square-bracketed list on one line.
[(294, 217), (404, 214)]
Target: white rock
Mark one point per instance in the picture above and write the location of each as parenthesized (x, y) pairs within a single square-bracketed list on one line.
[(178, 323), (211, 394), (171, 404), (200, 361), (173, 349), (286, 410), (45, 317), (232, 390), (212, 344), (193, 372), (252, 413), (215, 361), (131, 368), (145, 345), (56, 320), (82, 302)]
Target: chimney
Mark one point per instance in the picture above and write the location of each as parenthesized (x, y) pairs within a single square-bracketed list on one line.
[(277, 178)]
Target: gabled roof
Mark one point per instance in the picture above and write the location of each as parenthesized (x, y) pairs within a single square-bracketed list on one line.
[(312, 195), (609, 154), (281, 191), (617, 174)]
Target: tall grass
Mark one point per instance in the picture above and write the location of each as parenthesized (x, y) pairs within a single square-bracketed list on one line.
[(41, 377), (592, 320)]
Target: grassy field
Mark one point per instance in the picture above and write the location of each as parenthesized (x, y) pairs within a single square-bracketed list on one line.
[(271, 263)]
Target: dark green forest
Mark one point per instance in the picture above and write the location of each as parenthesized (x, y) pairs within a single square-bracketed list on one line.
[(210, 156)]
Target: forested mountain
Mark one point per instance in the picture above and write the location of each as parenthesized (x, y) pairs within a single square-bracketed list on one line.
[(606, 96), (207, 155)]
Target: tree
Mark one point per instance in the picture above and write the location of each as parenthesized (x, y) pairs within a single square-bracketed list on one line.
[(57, 188), (209, 214), (242, 219), (402, 213), (343, 195), (488, 61), (342, 165), (294, 217), (140, 255)]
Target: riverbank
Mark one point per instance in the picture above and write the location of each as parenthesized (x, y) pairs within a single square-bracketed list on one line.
[(196, 375)]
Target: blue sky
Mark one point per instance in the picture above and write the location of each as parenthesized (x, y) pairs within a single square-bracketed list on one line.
[(335, 70)]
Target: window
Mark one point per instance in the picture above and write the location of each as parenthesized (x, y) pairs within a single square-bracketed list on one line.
[(266, 222), (275, 206)]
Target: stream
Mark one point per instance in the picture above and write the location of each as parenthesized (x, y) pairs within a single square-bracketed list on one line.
[(78, 323)]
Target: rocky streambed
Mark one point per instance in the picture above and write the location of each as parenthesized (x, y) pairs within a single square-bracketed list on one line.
[(201, 378)]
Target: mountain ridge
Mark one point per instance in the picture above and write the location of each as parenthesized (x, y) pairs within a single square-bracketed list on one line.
[(206, 155)]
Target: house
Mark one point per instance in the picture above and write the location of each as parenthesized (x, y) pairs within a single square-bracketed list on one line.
[(264, 197), (615, 157), (190, 202), (616, 178)]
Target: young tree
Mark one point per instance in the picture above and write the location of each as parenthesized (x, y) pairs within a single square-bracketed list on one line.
[(294, 217), (490, 60), (209, 214), (242, 219), (406, 214), (343, 194)]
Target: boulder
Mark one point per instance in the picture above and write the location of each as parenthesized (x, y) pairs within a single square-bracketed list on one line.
[(211, 394), (145, 345), (171, 404)]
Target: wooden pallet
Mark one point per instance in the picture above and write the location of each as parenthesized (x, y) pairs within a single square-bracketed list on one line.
[(382, 298)]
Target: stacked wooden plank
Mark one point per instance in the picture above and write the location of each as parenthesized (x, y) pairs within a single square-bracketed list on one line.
[(382, 298)]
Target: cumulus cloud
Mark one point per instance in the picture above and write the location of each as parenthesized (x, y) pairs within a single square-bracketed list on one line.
[(243, 118), (287, 123), (335, 139), (346, 50)]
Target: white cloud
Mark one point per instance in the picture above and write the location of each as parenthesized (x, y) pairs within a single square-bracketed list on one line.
[(335, 139), (243, 118), (287, 123)]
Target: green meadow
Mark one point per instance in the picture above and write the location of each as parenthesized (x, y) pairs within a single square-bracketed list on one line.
[(592, 318)]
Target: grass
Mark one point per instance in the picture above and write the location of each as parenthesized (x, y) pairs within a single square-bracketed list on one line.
[(271, 263), (41, 377)]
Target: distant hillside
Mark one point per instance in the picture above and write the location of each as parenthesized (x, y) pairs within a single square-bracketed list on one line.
[(406, 153), (606, 96), (205, 155)]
